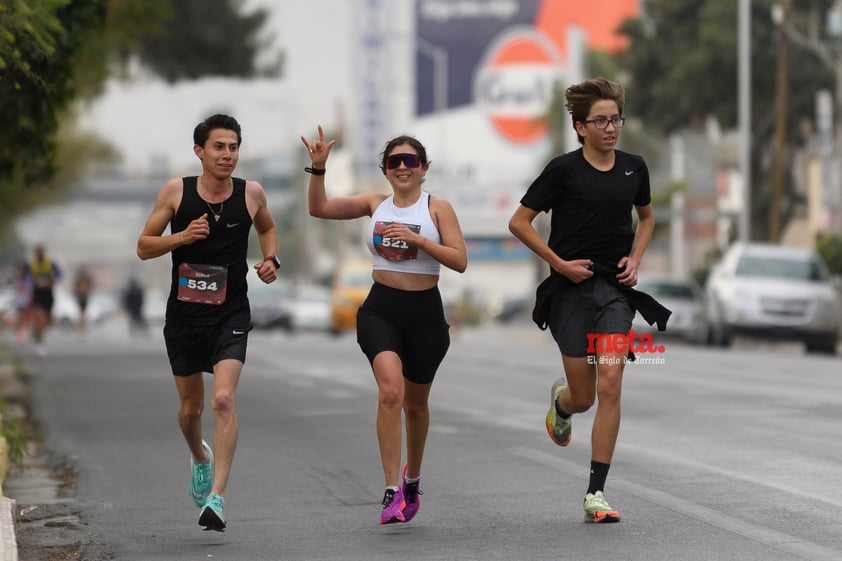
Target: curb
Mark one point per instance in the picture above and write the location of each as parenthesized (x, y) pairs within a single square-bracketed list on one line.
[(8, 538), (8, 507)]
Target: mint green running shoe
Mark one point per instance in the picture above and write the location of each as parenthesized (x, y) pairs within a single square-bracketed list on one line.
[(201, 478), (597, 509), (559, 429), (212, 516)]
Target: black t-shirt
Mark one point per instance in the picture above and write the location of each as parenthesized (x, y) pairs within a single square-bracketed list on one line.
[(226, 246), (590, 209)]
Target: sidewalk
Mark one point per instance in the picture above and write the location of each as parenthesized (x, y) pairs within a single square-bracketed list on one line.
[(10, 390), (39, 518)]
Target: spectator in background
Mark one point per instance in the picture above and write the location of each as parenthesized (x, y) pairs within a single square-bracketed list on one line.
[(43, 274), (133, 299), (82, 286), (23, 302)]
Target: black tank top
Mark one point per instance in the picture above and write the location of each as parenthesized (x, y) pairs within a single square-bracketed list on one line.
[(226, 246)]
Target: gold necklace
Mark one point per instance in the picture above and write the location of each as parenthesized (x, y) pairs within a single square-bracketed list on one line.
[(216, 215)]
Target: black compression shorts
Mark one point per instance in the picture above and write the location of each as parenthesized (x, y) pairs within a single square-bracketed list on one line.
[(410, 323)]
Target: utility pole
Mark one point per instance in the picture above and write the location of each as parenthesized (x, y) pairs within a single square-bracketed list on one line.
[(744, 110), (830, 53), (781, 106)]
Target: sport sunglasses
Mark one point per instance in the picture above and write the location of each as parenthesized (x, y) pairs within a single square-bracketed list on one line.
[(409, 160)]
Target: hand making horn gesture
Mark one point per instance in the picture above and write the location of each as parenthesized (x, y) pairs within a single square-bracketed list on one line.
[(318, 149)]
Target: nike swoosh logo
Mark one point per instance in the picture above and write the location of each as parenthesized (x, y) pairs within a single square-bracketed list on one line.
[(232, 225), (235, 332), (629, 172)]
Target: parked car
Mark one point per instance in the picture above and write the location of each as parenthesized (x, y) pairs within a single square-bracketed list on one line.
[(8, 310), (511, 309), (310, 308), (685, 298), (350, 289), (155, 306), (269, 303), (777, 292)]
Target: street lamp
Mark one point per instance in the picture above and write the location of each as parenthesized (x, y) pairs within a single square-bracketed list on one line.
[(440, 61)]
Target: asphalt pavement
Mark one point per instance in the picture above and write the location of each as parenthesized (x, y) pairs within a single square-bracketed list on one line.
[(701, 472)]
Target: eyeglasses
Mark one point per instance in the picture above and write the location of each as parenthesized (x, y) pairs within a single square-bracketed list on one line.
[(601, 123), (409, 160)]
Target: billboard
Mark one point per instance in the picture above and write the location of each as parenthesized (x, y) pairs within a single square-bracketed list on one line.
[(506, 57)]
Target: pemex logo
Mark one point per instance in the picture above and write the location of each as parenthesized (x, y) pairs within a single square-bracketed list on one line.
[(515, 82)]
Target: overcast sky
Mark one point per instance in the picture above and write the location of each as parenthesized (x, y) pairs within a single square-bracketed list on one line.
[(151, 123)]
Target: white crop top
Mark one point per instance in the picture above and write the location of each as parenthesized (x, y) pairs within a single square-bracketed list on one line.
[(399, 256)]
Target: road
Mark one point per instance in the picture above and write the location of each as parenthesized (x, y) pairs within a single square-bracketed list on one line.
[(725, 455)]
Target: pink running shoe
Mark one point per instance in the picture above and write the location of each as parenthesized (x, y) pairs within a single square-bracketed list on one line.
[(410, 497), (392, 507)]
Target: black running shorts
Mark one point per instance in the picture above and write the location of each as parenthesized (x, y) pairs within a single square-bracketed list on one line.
[(594, 306), (197, 348), (43, 298)]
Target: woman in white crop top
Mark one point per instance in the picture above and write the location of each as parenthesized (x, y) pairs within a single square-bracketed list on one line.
[(401, 326)]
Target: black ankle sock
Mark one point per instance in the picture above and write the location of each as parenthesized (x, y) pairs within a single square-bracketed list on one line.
[(560, 412), (599, 472)]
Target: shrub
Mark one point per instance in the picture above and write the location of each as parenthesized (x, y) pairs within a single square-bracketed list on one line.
[(829, 246)]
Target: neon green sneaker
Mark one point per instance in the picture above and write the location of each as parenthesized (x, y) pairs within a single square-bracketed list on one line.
[(597, 510), (201, 478), (559, 429)]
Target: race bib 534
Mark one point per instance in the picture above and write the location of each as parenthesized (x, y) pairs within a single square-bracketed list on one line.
[(202, 284)]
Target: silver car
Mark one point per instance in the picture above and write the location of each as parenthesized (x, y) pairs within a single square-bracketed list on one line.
[(776, 292), (684, 297)]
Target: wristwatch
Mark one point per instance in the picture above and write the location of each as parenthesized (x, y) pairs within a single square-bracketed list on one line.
[(275, 261)]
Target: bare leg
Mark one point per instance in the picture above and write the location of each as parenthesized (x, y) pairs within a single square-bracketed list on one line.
[(417, 425), (39, 323), (191, 394), (584, 387), (22, 325), (388, 372), (581, 385), (226, 375), (606, 424)]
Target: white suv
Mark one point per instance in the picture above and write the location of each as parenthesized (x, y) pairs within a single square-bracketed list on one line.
[(772, 291)]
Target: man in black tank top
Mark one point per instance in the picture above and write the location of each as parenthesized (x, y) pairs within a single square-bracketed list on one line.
[(208, 316)]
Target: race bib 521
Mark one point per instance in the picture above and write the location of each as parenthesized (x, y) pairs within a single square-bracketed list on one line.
[(394, 250)]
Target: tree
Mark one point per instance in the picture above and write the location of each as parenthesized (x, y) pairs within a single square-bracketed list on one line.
[(40, 44), (53, 52), (206, 37), (829, 246), (682, 62)]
